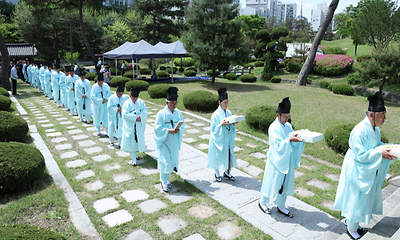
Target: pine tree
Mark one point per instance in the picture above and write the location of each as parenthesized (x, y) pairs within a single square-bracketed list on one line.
[(266, 75)]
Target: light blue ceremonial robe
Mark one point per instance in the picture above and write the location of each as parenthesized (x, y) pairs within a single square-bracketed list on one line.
[(130, 111), (41, 78), (70, 83), (100, 115), (222, 140), (282, 157), (33, 76), (55, 85), (29, 73), (83, 88), (47, 80), (115, 117), (63, 88), (168, 145), (24, 72), (359, 193)]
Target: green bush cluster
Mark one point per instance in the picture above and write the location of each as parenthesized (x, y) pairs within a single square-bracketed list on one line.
[(343, 89), (5, 103), (192, 69), (276, 79), (163, 68), (90, 76), (3, 91), (23, 231), (113, 70), (334, 50), (190, 73), (145, 71), (128, 75), (281, 64), (21, 165), (158, 90), (324, 84), (231, 76), (187, 62), (115, 80), (201, 101), (143, 85), (259, 64), (331, 86), (12, 127), (162, 74), (364, 58), (353, 78), (169, 69), (248, 78), (294, 65), (248, 65), (260, 117), (210, 72), (337, 137), (252, 59)]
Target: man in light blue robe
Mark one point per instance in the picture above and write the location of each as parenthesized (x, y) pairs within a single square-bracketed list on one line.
[(47, 81), (100, 94), (70, 84), (222, 139), (359, 193), (114, 108), (41, 78), (82, 97), (28, 72), (283, 156), (168, 139), (134, 115), (55, 84), (32, 74), (38, 81), (63, 88)]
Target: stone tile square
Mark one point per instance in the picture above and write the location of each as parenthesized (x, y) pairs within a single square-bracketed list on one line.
[(70, 154), (62, 119), (207, 128), (42, 117), (65, 122), (253, 170), (105, 140), (258, 155), (192, 131), (329, 204), (108, 167), (148, 171), (134, 195), (201, 211), (228, 230), (122, 153), (75, 131), (101, 158), (250, 145), (85, 174), (122, 177), (54, 134), (188, 120), (86, 125), (117, 218), (333, 177), (237, 149), (79, 137), (297, 174), (44, 121), (241, 163), (139, 234), (63, 146), (303, 192), (203, 146), (86, 143), (71, 127), (93, 150), (93, 186), (92, 129), (170, 224), (197, 124), (75, 163), (56, 115), (238, 139), (151, 120), (319, 184), (152, 205), (189, 140), (47, 125), (105, 204), (194, 237), (205, 136), (58, 140), (179, 197), (50, 130)]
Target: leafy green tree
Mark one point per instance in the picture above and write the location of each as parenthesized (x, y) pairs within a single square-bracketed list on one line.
[(117, 34), (356, 35), (266, 75), (252, 24), (9, 32), (214, 36), (7, 9), (340, 20), (67, 56), (271, 43)]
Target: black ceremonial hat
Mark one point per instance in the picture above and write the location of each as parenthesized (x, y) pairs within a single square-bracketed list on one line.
[(172, 93), (120, 86), (222, 94), (135, 92), (56, 66), (82, 72), (67, 68), (100, 77), (284, 106), (376, 103)]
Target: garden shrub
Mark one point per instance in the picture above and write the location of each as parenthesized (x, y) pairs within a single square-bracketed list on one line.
[(4, 92), (260, 117), (353, 79), (90, 76), (248, 65), (337, 137), (112, 71), (143, 85), (5, 103), (158, 90), (12, 127), (294, 65), (332, 65), (276, 79), (201, 101), (163, 68), (114, 81), (331, 86), (192, 69), (145, 71), (169, 69), (162, 74), (252, 59), (364, 58), (23, 231), (231, 76), (248, 78), (190, 73), (210, 72), (259, 64), (129, 75), (21, 165), (324, 84), (187, 62), (334, 50), (343, 89), (309, 81), (281, 64)]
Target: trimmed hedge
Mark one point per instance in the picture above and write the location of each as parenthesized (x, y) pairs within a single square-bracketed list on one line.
[(294, 65), (248, 78), (163, 68), (260, 117), (5, 103), (333, 50), (201, 101), (209, 73), (252, 59), (324, 84), (114, 81), (353, 78), (112, 71), (231, 76), (259, 64), (128, 75), (12, 127), (249, 65), (158, 90), (21, 165), (276, 79), (190, 73), (90, 76), (4, 92), (143, 85), (192, 68), (331, 86), (337, 137), (343, 89), (162, 74), (145, 71), (169, 69), (23, 231)]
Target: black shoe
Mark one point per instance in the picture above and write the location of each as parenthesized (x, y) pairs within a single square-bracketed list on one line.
[(218, 179), (362, 231), (289, 214), (348, 233), (232, 178), (137, 158), (164, 188), (263, 208), (176, 170)]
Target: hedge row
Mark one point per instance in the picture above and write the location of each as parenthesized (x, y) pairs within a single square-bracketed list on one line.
[(202, 101), (12, 127)]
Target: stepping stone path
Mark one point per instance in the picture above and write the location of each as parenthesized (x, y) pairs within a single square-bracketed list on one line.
[(94, 185), (50, 130), (297, 174), (189, 140), (75, 131), (250, 145), (333, 177), (203, 146), (85, 174), (192, 131), (148, 171), (76, 163), (197, 124), (205, 136), (55, 134), (151, 206), (319, 184), (123, 154), (207, 128), (105, 204), (69, 154), (71, 127), (303, 192), (201, 211), (58, 140), (138, 235), (86, 143), (66, 122), (134, 195), (101, 158), (258, 155), (93, 150), (47, 125), (79, 137), (171, 224), (63, 146), (227, 230), (253, 170), (122, 177), (117, 218)]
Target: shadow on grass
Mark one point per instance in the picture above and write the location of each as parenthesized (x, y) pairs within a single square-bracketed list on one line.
[(235, 86)]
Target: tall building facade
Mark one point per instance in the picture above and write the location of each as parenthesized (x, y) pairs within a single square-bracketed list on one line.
[(269, 8), (118, 2)]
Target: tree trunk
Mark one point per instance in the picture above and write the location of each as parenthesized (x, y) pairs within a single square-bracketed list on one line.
[(56, 50), (85, 40), (355, 50), (4, 79), (305, 70), (213, 73)]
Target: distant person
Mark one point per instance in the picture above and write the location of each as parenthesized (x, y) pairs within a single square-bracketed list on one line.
[(47, 81), (114, 108), (82, 97), (100, 94), (107, 74), (123, 68), (55, 84), (70, 82), (14, 77), (76, 70), (99, 64)]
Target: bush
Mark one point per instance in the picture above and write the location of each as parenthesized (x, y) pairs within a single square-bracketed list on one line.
[(145, 71), (248, 78), (364, 58), (192, 69), (353, 79), (331, 86), (5, 103), (337, 137), (4, 92), (128, 75), (112, 71), (90, 76), (190, 73), (163, 68), (114, 81), (324, 84), (334, 50), (23, 231), (332, 65), (281, 64), (209, 73), (343, 89), (169, 69), (249, 65), (276, 79), (143, 85), (252, 59), (201, 101), (260, 117), (294, 65), (12, 127), (158, 90), (162, 74), (187, 62), (21, 165), (231, 76), (266, 74), (309, 81), (259, 64)]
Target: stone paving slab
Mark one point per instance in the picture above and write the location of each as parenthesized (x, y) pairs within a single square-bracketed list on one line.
[(93, 150), (148, 171), (152, 205), (79, 137), (134, 195), (101, 158), (71, 127), (43, 121), (63, 146), (258, 155), (194, 237), (123, 154), (319, 184), (117, 218), (108, 167), (192, 131), (58, 140), (228, 230), (50, 130), (65, 122), (86, 143), (76, 163), (55, 134), (253, 170), (70, 154), (189, 140), (105, 204), (75, 131), (47, 125), (205, 136), (85, 174), (171, 224), (138, 235), (96, 185), (122, 177), (179, 197)]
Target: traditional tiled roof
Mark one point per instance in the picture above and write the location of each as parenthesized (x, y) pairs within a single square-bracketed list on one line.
[(21, 50)]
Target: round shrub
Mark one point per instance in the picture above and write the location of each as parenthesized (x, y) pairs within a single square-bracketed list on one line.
[(12, 127), (353, 79), (324, 84), (21, 165), (4, 92), (260, 117), (337, 137), (190, 73), (90, 76), (332, 65), (163, 68), (112, 71), (231, 76), (210, 72), (5, 102), (158, 90), (201, 101), (259, 64), (276, 79), (23, 231), (248, 65), (186, 62), (294, 65), (331, 86), (162, 74), (248, 78), (143, 85), (192, 68), (114, 81), (343, 89), (128, 75), (169, 69), (145, 71)]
